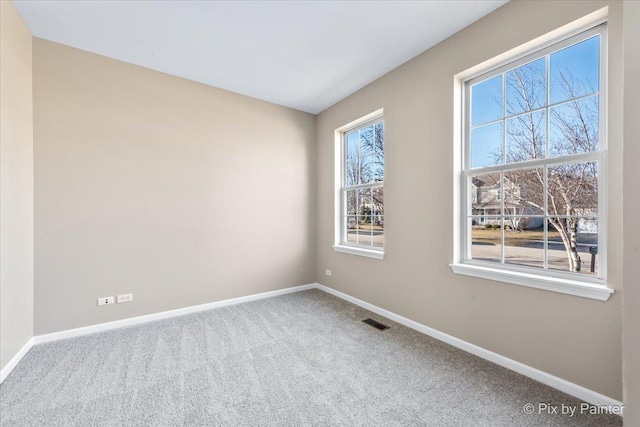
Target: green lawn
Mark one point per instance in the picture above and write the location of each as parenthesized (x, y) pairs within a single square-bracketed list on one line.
[(512, 237), (368, 227)]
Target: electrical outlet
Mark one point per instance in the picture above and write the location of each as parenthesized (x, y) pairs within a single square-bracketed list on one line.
[(105, 301), (327, 272), (125, 298)]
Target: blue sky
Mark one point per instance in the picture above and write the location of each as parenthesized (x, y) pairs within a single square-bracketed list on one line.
[(580, 61)]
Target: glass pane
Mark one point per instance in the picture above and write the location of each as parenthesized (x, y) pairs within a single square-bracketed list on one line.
[(364, 202), (378, 166), (526, 137), (575, 70), (573, 245), (367, 143), (572, 189), (377, 216), (486, 239), (574, 127), (366, 165), (526, 87), (485, 194), (524, 241), (378, 169), (352, 172), (352, 229), (352, 202), (486, 145), (524, 192), (352, 145), (378, 230), (377, 198), (378, 130), (486, 101), (364, 230)]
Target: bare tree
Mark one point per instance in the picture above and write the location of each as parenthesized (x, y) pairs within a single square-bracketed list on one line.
[(372, 143), (573, 128), (367, 166)]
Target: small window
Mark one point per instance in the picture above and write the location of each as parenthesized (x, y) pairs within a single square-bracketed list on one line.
[(534, 160), (360, 193)]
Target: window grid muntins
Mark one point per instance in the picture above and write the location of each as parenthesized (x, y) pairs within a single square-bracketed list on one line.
[(362, 189), (569, 167)]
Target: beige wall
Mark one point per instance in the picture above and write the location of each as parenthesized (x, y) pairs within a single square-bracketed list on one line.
[(16, 184), (575, 338), (631, 302), (174, 191)]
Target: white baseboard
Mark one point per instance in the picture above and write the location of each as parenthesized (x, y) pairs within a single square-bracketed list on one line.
[(70, 333), (4, 373), (565, 386)]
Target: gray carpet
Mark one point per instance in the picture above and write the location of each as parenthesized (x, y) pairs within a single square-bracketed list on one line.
[(302, 359)]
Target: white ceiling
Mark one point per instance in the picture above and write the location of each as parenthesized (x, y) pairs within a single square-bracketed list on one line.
[(306, 55)]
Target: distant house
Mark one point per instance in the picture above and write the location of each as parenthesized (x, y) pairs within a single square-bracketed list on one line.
[(486, 199), (486, 205), (486, 202)]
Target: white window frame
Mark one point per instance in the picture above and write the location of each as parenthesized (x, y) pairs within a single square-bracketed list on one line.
[(553, 280), (340, 241)]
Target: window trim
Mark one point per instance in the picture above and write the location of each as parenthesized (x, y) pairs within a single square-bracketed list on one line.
[(340, 245), (558, 281), (549, 283)]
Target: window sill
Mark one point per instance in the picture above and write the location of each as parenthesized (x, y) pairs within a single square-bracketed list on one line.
[(565, 286), (359, 251)]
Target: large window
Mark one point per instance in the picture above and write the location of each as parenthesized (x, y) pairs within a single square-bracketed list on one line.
[(360, 222), (534, 164)]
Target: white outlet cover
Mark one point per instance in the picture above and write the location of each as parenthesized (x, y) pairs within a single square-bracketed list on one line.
[(327, 272), (125, 298), (106, 301)]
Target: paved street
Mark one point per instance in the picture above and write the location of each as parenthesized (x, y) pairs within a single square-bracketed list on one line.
[(533, 255)]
